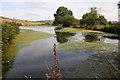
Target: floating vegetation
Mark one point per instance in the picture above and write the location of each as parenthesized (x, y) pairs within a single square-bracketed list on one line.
[(76, 46), (99, 66)]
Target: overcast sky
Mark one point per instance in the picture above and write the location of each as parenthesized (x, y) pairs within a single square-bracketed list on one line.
[(44, 9)]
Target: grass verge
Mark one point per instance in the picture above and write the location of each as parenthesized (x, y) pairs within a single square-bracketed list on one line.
[(76, 30)]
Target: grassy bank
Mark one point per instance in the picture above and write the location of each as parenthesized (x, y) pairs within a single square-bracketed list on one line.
[(76, 30)]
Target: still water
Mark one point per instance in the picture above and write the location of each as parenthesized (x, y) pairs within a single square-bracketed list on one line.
[(79, 55)]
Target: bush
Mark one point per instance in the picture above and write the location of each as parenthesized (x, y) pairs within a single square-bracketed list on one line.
[(114, 28), (9, 30)]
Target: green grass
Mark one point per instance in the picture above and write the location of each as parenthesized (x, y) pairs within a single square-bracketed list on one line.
[(76, 30)]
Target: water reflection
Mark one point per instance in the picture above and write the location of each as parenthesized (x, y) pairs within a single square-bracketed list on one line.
[(45, 29), (6, 67), (8, 59), (90, 37), (113, 37), (63, 37), (104, 38), (30, 60)]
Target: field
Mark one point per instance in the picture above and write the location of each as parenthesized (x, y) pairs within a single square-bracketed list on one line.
[(23, 22)]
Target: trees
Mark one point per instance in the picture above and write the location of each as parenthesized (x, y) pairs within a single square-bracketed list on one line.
[(92, 19), (69, 20), (64, 17)]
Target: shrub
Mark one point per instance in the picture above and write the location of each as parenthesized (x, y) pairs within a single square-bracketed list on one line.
[(114, 28), (9, 30)]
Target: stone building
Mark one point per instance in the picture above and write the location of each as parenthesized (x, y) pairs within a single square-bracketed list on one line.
[(119, 11)]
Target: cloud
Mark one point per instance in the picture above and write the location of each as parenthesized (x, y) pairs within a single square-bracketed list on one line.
[(44, 9), (59, 0), (36, 5)]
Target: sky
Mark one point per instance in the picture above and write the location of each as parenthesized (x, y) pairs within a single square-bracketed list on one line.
[(35, 10)]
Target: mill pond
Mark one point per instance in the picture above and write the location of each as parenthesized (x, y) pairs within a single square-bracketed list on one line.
[(81, 55)]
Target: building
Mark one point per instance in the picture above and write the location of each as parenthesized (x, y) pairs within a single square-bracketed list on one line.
[(119, 11)]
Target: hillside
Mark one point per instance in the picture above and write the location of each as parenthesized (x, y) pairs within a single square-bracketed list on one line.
[(23, 22), (46, 21)]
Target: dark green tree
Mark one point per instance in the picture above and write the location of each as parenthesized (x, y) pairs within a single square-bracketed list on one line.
[(64, 17)]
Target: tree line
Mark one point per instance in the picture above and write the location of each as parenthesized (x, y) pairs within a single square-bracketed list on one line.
[(9, 30), (91, 20)]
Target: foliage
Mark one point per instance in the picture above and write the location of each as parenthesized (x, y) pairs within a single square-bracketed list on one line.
[(102, 20), (92, 19), (64, 17), (113, 28), (69, 20), (9, 30), (19, 24)]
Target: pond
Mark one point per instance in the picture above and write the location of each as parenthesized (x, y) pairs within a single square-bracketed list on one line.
[(81, 55)]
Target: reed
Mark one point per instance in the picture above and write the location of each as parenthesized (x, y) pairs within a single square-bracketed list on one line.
[(54, 73)]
